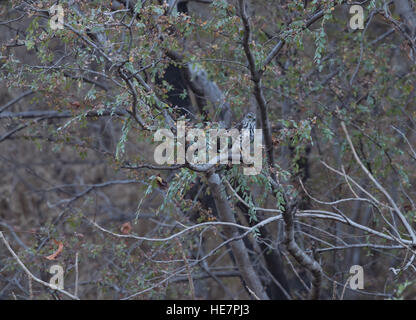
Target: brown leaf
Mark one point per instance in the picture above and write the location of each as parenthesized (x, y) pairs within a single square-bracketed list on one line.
[(126, 228), (75, 104), (57, 252)]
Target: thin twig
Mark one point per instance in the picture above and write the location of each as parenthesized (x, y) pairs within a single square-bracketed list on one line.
[(76, 274), (188, 269)]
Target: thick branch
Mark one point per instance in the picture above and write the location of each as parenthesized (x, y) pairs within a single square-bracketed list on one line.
[(239, 249)]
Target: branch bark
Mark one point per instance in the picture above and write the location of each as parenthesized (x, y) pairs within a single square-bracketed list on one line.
[(239, 249)]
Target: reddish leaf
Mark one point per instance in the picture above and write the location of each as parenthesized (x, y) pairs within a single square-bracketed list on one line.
[(75, 104), (54, 255), (126, 228)]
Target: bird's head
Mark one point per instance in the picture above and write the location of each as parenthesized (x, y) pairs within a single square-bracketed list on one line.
[(250, 116)]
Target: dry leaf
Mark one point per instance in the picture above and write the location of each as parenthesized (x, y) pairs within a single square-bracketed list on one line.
[(57, 252), (75, 104), (126, 228)]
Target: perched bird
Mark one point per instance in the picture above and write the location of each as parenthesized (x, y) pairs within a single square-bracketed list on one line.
[(248, 122)]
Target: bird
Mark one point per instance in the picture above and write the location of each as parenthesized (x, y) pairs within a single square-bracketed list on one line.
[(248, 123)]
